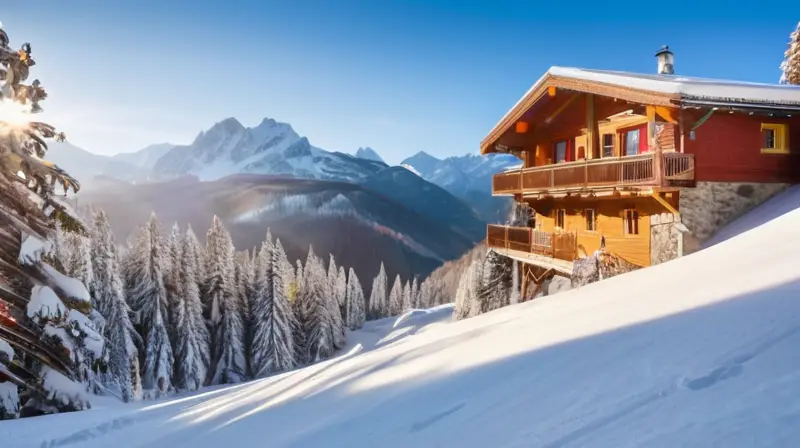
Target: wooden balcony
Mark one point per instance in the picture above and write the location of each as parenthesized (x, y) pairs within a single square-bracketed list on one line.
[(677, 169), (561, 246)]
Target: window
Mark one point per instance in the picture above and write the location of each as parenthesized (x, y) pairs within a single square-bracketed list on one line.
[(591, 219), (630, 221), (608, 145), (774, 138), (560, 218), (561, 151), (632, 142)]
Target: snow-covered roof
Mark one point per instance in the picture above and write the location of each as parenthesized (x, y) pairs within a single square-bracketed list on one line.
[(688, 87), (664, 89)]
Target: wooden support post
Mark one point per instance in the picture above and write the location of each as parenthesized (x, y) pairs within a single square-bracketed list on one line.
[(680, 126), (591, 127), (652, 143)]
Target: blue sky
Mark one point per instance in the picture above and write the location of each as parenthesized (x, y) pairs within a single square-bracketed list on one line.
[(399, 76)]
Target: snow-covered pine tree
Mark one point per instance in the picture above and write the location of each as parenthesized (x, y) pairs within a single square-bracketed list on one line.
[(79, 264), (198, 254), (790, 67), (172, 267), (407, 296), (336, 304), (298, 300), (475, 288), (246, 287), (273, 339), (425, 294), (396, 297), (496, 283), (192, 354), (378, 299), (148, 296), (356, 308), (108, 289), (319, 322), (466, 304), (340, 289), (415, 293), (227, 330)]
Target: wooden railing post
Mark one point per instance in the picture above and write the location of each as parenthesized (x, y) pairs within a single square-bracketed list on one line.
[(505, 237)]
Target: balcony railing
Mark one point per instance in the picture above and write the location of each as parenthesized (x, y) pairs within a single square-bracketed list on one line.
[(636, 170), (563, 246)]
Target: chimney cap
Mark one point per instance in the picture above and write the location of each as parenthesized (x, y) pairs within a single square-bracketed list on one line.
[(663, 50)]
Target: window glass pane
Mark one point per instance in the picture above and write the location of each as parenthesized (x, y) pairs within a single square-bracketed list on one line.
[(768, 137), (561, 151), (632, 143), (608, 145)]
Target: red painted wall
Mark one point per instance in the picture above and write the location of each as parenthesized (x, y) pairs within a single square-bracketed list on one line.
[(727, 148)]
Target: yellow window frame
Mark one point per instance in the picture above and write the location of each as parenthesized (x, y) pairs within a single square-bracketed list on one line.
[(781, 132)]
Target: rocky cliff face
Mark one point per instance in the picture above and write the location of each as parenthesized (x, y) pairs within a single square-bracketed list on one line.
[(711, 205)]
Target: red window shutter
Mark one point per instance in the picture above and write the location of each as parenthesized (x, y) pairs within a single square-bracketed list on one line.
[(644, 139), (570, 150)]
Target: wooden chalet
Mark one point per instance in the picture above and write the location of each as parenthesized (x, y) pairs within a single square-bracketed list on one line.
[(605, 156)]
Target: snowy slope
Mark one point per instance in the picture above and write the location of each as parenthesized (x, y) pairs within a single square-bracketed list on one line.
[(269, 148), (700, 351)]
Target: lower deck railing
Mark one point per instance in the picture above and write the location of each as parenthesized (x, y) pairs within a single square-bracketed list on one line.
[(563, 246)]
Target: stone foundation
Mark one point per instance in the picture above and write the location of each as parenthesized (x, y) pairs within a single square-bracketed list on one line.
[(666, 239), (601, 266), (710, 205)]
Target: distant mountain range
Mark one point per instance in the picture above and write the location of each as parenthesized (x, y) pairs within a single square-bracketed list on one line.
[(395, 217), (275, 148), (468, 177), (412, 217)]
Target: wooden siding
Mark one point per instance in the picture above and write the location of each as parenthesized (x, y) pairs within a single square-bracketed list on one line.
[(609, 224), (727, 148)]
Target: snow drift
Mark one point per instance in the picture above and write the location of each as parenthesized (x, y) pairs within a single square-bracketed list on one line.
[(700, 351)]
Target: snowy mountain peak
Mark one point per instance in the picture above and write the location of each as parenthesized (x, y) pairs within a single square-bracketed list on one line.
[(368, 153), (272, 147)]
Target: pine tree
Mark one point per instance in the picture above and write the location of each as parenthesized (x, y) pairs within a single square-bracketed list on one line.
[(172, 268), (396, 297), (425, 294), (790, 66), (300, 311), (466, 301), (355, 302), (407, 296), (123, 360), (415, 293), (273, 340), (227, 360), (246, 287), (79, 265), (335, 304), (148, 294), (340, 288), (192, 354), (378, 300), (319, 322)]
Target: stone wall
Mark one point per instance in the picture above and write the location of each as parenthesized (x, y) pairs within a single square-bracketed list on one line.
[(666, 240), (710, 205)]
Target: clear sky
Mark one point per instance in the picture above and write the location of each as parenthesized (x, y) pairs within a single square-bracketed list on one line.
[(399, 76)]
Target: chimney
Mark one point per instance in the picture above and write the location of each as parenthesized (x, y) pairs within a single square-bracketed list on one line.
[(666, 61)]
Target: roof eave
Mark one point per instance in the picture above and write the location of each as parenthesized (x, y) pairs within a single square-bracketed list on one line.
[(574, 84)]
